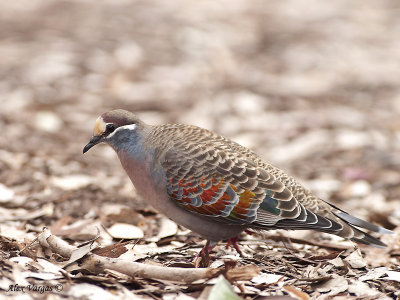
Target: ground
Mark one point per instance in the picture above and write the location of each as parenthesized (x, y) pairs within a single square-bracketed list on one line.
[(311, 86)]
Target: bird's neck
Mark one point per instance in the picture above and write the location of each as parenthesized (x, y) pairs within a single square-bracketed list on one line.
[(140, 166)]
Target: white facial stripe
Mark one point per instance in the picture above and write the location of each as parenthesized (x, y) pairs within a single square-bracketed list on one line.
[(129, 127)]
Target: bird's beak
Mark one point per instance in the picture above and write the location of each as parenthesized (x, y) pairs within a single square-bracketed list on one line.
[(93, 142)]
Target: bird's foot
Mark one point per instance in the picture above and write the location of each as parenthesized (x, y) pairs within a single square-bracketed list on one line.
[(202, 259), (233, 242)]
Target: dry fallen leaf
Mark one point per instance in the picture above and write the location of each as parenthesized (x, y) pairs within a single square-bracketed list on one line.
[(392, 275), (114, 251), (356, 260), (300, 91), (295, 292), (362, 290), (125, 231), (246, 272), (71, 182), (89, 291), (118, 213), (374, 274), (167, 228), (78, 254), (266, 278), (6, 194), (334, 286)]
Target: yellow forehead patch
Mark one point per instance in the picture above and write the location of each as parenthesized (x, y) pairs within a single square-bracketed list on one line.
[(99, 126)]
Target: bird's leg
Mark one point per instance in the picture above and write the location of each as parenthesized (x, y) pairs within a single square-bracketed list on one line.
[(233, 242), (202, 259)]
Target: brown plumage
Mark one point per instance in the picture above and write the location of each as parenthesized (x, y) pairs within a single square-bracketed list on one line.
[(214, 186)]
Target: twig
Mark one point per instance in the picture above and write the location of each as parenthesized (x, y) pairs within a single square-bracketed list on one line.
[(292, 253), (28, 245), (91, 240), (99, 264)]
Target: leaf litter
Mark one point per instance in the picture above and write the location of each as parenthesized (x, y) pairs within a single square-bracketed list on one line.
[(333, 124)]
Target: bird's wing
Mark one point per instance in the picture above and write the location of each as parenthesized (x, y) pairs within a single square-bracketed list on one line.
[(212, 183), (213, 176), (216, 177)]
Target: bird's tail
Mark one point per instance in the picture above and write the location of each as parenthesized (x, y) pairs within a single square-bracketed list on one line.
[(352, 229), (338, 222)]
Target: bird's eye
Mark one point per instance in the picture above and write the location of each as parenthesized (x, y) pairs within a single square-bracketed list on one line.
[(110, 128)]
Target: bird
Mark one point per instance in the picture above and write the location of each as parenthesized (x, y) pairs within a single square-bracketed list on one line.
[(214, 186)]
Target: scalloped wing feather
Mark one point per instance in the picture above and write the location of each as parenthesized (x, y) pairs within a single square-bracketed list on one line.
[(211, 177), (216, 177)]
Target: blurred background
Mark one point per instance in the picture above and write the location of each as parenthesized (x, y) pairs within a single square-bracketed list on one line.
[(312, 86)]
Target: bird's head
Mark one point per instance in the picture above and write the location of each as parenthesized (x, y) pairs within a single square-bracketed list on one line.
[(115, 127)]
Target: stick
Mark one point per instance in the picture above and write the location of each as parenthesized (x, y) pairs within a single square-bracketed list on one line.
[(99, 264)]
